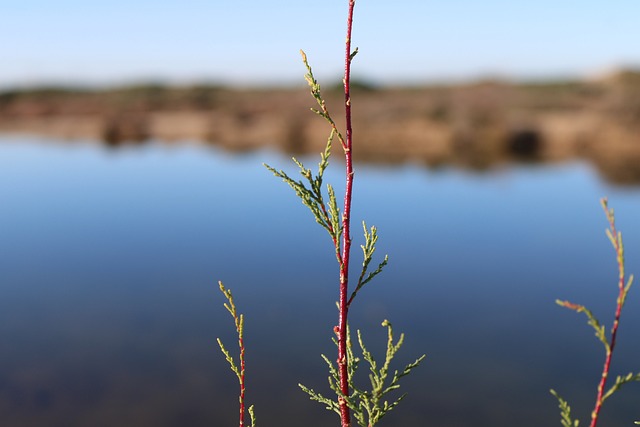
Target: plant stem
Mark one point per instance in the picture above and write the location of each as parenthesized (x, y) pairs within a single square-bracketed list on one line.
[(238, 319), (620, 302), (242, 367), (345, 416)]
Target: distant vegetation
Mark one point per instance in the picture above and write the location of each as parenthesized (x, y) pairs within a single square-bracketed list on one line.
[(477, 124)]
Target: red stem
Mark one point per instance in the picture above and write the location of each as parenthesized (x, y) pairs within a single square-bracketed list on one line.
[(241, 344), (345, 416), (605, 370), (614, 329)]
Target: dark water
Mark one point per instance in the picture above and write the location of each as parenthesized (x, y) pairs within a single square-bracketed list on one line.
[(109, 306)]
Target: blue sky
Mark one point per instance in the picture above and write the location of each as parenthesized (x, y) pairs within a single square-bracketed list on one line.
[(248, 42)]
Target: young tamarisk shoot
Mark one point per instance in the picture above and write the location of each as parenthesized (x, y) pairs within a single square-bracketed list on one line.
[(609, 343), (239, 371), (366, 406)]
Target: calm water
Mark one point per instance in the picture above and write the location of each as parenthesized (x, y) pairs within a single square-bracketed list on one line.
[(109, 307)]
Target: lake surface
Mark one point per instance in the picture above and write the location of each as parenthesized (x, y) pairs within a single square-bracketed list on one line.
[(109, 307)]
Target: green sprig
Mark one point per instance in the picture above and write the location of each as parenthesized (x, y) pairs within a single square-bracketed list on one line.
[(317, 95), (615, 237), (565, 412), (312, 196), (368, 249), (592, 321), (239, 322), (239, 371), (620, 381), (369, 406)]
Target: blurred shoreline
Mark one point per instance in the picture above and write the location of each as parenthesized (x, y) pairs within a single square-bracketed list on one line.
[(476, 125)]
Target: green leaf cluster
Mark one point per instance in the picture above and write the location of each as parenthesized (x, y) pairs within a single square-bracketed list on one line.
[(309, 189), (325, 209), (317, 95), (368, 406), (620, 381), (239, 322), (368, 249), (592, 321), (565, 412)]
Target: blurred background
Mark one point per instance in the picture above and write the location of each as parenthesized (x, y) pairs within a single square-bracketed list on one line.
[(132, 137)]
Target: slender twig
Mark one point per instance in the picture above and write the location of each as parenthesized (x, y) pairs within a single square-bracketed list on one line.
[(239, 371), (343, 363), (351, 401), (609, 343), (616, 241)]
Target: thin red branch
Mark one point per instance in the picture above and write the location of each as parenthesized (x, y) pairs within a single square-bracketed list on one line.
[(614, 329), (345, 416)]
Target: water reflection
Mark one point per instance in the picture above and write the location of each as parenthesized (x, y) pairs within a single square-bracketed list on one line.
[(109, 309)]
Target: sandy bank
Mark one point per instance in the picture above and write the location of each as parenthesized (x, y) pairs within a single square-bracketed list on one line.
[(475, 125)]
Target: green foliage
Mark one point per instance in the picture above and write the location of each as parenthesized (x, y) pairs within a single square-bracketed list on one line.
[(620, 381), (615, 237), (368, 406), (239, 322), (252, 415), (326, 213), (317, 95), (312, 196), (368, 249), (238, 370), (565, 412), (592, 321), (310, 191), (372, 402)]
